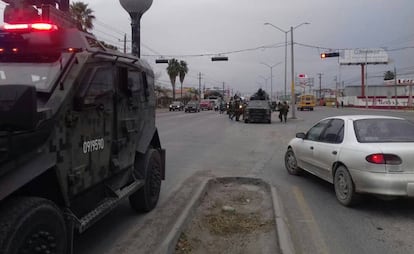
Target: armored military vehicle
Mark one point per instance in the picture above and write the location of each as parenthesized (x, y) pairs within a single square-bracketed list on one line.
[(258, 108), (77, 133)]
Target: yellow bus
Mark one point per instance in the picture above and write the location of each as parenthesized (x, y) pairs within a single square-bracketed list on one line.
[(306, 101), (330, 102)]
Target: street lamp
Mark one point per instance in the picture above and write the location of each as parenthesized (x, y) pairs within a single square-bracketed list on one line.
[(286, 32), (292, 88), (136, 9), (271, 77)]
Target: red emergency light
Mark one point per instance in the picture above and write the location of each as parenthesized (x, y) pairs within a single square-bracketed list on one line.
[(31, 27)]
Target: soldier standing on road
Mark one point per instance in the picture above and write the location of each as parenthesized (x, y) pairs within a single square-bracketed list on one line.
[(283, 111), (231, 108)]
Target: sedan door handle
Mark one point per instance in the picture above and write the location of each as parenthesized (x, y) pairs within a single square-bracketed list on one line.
[(334, 152)]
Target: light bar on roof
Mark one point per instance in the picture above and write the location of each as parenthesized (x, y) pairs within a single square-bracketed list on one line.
[(28, 27)]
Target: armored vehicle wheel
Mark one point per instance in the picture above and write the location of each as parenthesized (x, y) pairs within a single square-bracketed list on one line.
[(146, 198), (246, 120), (32, 225)]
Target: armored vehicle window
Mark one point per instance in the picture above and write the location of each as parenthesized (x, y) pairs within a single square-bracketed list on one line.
[(146, 91), (135, 83), (41, 75), (101, 82)]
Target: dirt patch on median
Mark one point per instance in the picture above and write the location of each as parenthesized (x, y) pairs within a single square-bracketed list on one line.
[(234, 216)]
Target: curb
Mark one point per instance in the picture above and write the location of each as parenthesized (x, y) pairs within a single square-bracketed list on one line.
[(285, 241), (168, 245), (283, 233)]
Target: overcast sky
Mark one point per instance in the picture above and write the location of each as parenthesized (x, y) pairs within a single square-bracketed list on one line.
[(198, 27)]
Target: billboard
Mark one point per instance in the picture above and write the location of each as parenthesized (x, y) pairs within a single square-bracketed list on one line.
[(363, 56)]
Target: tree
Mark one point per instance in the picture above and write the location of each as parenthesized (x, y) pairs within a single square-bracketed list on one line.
[(173, 70), (389, 75), (182, 72), (82, 15)]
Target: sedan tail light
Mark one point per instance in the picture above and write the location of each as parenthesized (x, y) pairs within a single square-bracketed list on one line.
[(380, 158)]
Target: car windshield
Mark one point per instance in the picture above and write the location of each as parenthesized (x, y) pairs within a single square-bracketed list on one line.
[(41, 75), (176, 103), (384, 130)]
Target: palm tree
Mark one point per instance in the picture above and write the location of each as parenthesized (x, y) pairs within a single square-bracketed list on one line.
[(183, 71), (173, 70), (82, 15)]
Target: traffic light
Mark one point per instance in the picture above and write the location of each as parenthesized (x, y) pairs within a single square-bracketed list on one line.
[(220, 58), (161, 61), (333, 54)]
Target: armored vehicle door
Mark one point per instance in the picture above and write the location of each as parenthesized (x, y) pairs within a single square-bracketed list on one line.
[(129, 116), (92, 136)]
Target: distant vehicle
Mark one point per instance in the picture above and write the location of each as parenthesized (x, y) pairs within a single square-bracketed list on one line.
[(176, 105), (206, 105), (358, 154), (329, 102), (192, 106), (258, 111), (306, 101)]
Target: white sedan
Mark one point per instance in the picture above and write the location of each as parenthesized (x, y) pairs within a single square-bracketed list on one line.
[(358, 154)]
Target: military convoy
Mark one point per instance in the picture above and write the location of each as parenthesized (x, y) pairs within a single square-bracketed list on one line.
[(77, 133)]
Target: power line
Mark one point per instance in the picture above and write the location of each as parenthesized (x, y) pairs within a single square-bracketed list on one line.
[(277, 45)]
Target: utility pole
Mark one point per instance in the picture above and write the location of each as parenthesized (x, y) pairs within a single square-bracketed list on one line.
[(395, 86), (320, 85), (292, 87), (199, 86)]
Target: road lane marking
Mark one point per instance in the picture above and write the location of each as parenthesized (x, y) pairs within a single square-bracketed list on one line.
[(310, 221)]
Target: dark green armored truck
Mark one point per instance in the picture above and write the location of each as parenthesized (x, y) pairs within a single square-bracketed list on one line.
[(77, 135)]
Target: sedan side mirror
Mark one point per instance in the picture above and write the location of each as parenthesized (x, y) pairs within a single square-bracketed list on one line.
[(300, 135)]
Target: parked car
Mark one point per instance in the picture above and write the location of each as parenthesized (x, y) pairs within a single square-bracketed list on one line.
[(192, 106), (358, 154), (176, 105), (206, 105)]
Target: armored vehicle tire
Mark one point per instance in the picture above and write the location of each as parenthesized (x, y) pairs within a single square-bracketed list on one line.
[(32, 225), (246, 120), (146, 198)]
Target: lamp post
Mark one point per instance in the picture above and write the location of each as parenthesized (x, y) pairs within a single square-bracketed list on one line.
[(292, 62), (286, 32), (271, 78), (136, 9)]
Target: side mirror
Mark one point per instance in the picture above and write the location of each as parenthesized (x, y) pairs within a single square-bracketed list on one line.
[(300, 135)]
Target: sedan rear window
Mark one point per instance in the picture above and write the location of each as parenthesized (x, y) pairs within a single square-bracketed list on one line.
[(384, 130)]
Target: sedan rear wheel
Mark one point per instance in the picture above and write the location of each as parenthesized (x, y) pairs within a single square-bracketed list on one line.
[(291, 163), (345, 187)]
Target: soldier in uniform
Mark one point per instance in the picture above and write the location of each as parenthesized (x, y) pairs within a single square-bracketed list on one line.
[(230, 108), (283, 111), (237, 109)]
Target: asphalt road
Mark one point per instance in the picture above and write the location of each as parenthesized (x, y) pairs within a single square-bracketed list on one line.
[(210, 144)]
